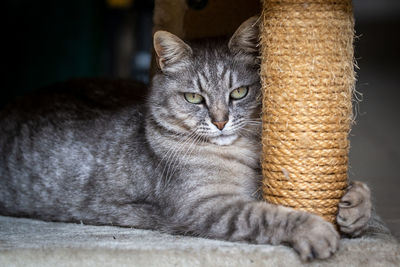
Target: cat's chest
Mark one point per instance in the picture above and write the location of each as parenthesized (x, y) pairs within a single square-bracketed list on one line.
[(237, 168), (239, 162)]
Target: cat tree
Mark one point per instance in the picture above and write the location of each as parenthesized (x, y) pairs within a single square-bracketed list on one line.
[(308, 73), (307, 78)]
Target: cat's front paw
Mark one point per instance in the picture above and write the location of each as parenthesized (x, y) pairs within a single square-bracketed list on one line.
[(314, 238), (354, 209)]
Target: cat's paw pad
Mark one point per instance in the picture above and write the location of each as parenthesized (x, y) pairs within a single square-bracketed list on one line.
[(315, 238), (354, 209)]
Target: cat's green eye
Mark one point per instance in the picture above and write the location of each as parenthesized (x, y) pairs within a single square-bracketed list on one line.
[(239, 93), (193, 98)]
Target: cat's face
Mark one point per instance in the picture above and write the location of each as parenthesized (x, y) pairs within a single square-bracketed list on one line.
[(210, 90)]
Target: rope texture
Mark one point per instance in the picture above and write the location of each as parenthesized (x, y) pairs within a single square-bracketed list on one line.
[(308, 78)]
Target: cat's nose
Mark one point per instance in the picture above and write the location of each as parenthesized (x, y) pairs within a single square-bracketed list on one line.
[(220, 124)]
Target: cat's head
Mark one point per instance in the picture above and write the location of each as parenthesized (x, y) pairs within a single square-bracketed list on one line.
[(211, 88)]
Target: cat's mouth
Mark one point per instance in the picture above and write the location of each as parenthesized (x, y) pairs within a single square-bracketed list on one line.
[(224, 140)]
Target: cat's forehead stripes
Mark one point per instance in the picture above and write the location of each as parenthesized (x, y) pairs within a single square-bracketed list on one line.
[(218, 77), (203, 81), (221, 69), (224, 74), (230, 79), (198, 84)]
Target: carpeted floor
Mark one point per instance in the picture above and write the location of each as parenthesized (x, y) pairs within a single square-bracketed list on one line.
[(26, 242)]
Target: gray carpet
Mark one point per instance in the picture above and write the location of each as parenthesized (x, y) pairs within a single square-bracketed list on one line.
[(26, 242)]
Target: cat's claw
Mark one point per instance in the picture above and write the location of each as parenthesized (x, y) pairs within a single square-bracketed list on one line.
[(315, 239), (354, 209)]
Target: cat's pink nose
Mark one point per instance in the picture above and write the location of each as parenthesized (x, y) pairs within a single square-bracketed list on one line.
[(220, 124)]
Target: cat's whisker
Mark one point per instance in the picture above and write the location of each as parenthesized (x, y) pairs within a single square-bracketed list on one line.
[(174, 156), (179, 144), (245, 134), (191, 147), (258, 121), (170, 150), (253, 122), (194, 143), (241, 127), (173, 151)]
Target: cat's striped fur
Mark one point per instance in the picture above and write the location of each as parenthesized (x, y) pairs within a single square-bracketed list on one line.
[(165, 166)]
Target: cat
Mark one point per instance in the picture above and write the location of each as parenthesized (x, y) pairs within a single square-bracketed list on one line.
[(185, 162)]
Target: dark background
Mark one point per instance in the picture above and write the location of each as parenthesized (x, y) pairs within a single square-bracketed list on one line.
[(375, 138), (48, 41)]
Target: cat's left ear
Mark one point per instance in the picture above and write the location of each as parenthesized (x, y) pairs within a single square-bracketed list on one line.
[(171, 51), (245, 39)]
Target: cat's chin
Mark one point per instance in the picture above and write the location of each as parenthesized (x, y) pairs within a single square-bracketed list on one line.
[(224, 140)]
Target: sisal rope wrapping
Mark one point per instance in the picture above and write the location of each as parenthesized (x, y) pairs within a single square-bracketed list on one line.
[(308, 78)]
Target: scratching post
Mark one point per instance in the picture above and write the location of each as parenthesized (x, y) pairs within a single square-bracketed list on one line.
[(307, 77)]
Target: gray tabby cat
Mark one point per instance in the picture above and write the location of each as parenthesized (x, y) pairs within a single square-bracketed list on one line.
[(187, 162)]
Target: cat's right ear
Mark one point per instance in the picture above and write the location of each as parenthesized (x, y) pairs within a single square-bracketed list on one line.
[(245, 39), (171, 51)]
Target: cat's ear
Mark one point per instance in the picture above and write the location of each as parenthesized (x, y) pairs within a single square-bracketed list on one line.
[(245, 39), (171, 51)]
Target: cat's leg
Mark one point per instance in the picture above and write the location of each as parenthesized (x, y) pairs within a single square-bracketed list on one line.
[(235, 218), (354, 209)]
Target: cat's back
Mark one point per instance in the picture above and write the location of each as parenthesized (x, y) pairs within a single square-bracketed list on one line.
[(64, 134), (79, 110)]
